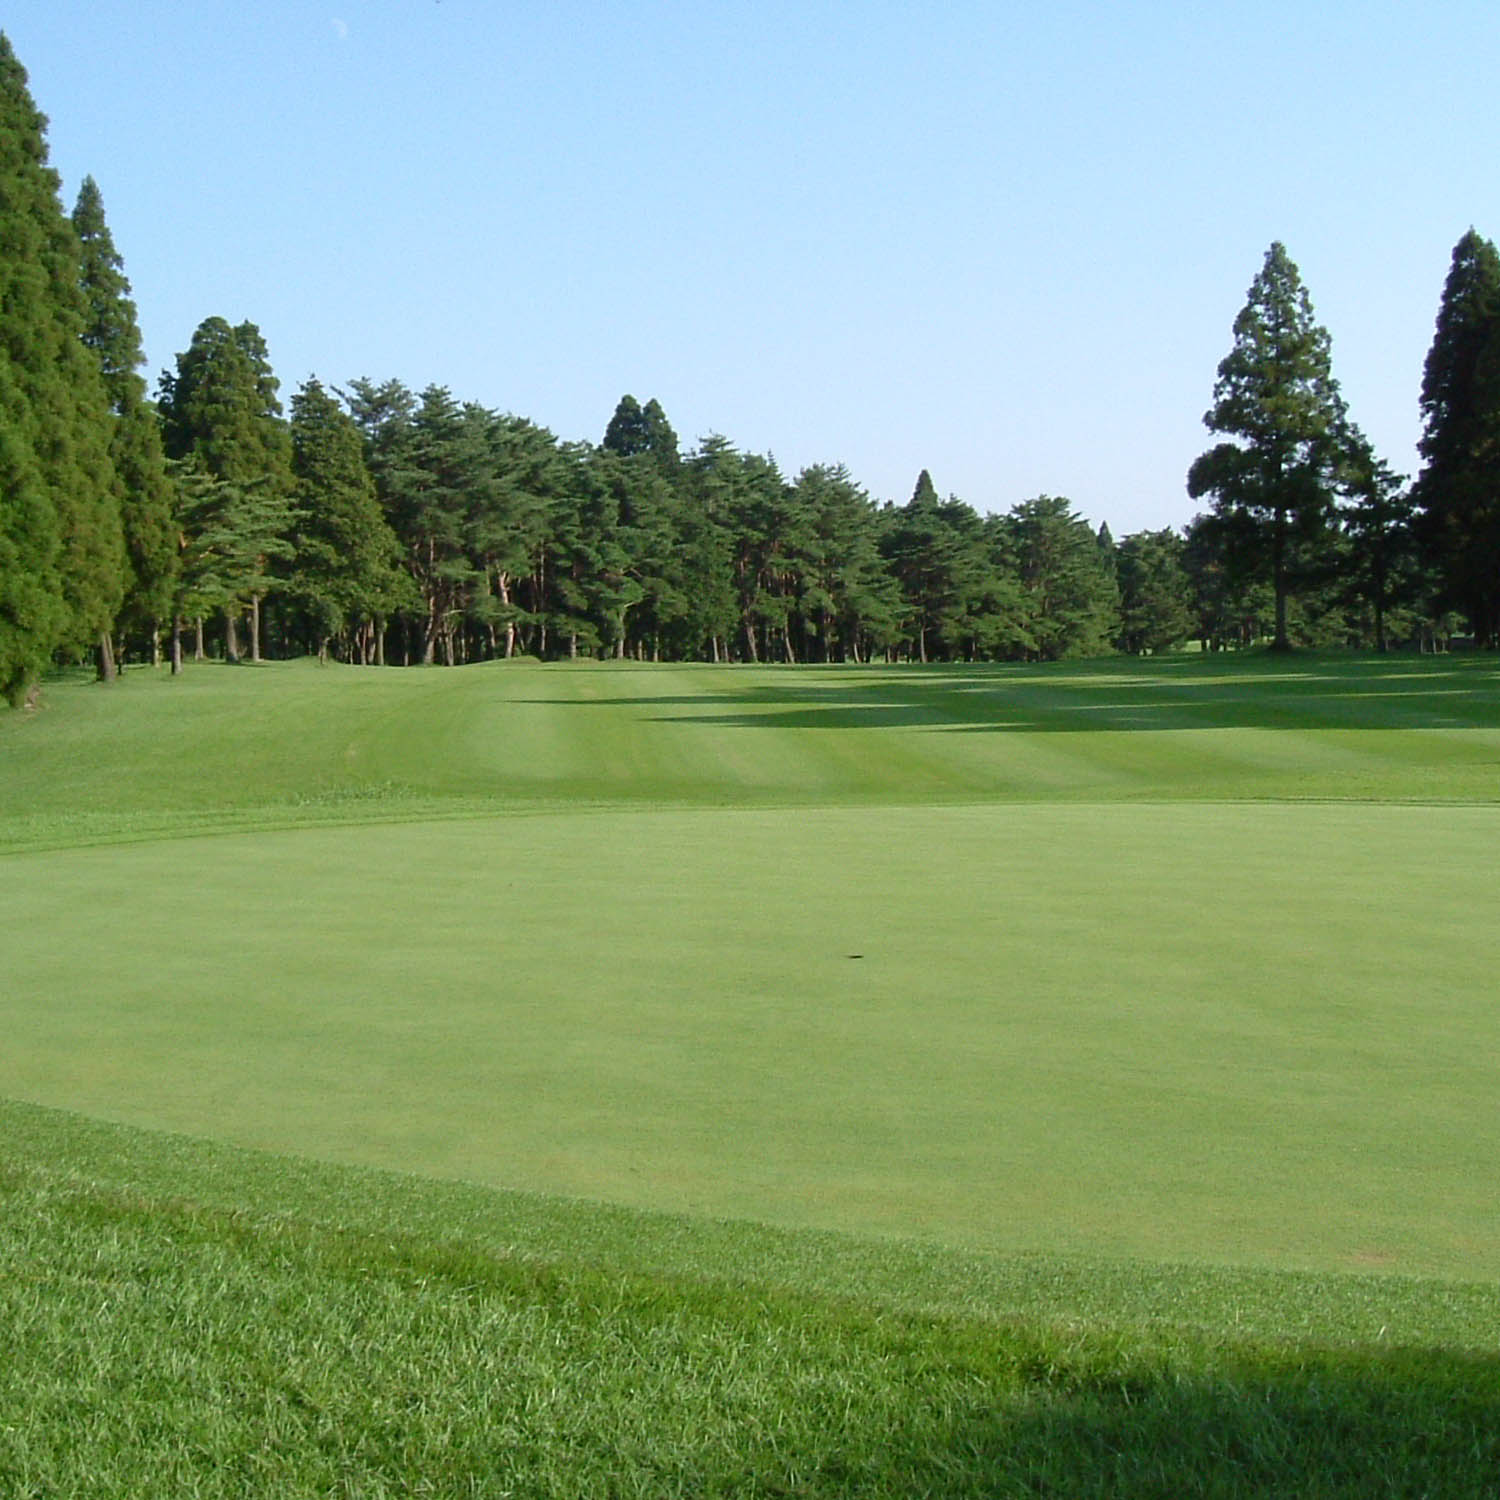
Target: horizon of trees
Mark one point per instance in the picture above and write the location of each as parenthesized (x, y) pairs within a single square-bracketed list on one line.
[(380, 525)]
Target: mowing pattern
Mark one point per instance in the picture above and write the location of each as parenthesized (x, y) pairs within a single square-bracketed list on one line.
[(1174, 959)]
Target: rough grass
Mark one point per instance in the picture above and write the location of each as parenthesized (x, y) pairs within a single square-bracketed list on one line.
[(185, 1320)]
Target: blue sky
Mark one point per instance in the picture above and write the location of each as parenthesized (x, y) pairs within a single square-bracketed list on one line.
[(1003, 242)]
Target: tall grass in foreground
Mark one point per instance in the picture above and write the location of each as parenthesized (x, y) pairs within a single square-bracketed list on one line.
[(169, 1343)]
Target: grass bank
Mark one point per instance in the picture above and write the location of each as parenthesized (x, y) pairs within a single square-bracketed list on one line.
[(218, 1323)]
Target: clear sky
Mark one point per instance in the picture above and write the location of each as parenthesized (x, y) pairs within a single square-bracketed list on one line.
[(1003, 242)]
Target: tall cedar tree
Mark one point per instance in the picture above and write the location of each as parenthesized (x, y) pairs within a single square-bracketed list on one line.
[(62, 555), (135, 440), (1277, 400), (219, 409), (1458, 491), (635, 430), (346, 574)]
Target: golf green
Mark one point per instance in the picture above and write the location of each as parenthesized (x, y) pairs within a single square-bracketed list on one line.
[(1239, 1032)]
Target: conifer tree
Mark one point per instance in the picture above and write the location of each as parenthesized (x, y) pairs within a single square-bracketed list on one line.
[(346, 554), (220, 409), (1458, 491), (112, 332), (1071, 599), (1156, 596), (1381, 569), (627, 434), (61, 550), (1276, 399)]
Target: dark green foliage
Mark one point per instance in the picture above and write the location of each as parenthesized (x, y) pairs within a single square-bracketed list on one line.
[(1070, 598), (220, 407), (219, 411), (1381, 571), (62, 558), (1156, 595), (1275, 398), (635, 431), (345, 572), (849, 605), (935, 553), (1458, 491), (112, 332)]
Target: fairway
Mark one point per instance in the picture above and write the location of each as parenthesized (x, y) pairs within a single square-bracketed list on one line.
[(1179, 961)]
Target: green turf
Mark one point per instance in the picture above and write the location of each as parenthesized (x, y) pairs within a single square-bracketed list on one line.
[(1252, 1031), (183, 1319)]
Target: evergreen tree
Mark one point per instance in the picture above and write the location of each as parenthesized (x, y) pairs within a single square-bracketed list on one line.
[(346, 555), (112, 332), (635, 430), (708, 548), (509, 527), (1276, 399), (1156, 596), (849, 605), (62, 560), (627, 434), (1458, 491), (220, 409), (1381, 568), (661, 440), (935, 552), (1068, 585)]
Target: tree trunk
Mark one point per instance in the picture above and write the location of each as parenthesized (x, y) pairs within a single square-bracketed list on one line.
[(176, 644), (156, 643), (198, 651), (106, 657), (231, 636), (255, 628)]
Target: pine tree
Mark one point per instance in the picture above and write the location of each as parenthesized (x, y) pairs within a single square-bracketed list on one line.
[(937, 553), (346, 555), (1156, 595), (220, 410), (61, 549), (1068, 585), (112, 332), (1458, 491), (1277, 400), (1381, 570)]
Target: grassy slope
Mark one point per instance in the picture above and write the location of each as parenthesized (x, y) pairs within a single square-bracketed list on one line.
[(188, 1318), (212, 1322), (295, 743), (1145, 1024)]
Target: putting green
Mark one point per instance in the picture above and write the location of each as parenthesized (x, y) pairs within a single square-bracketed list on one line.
[(1237, 1032)]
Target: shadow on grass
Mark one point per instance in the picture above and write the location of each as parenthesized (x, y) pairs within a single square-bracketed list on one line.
[(1250, 693), (1344, 1423)]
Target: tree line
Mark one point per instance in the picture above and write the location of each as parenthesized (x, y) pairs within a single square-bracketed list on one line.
[(380, 525)]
